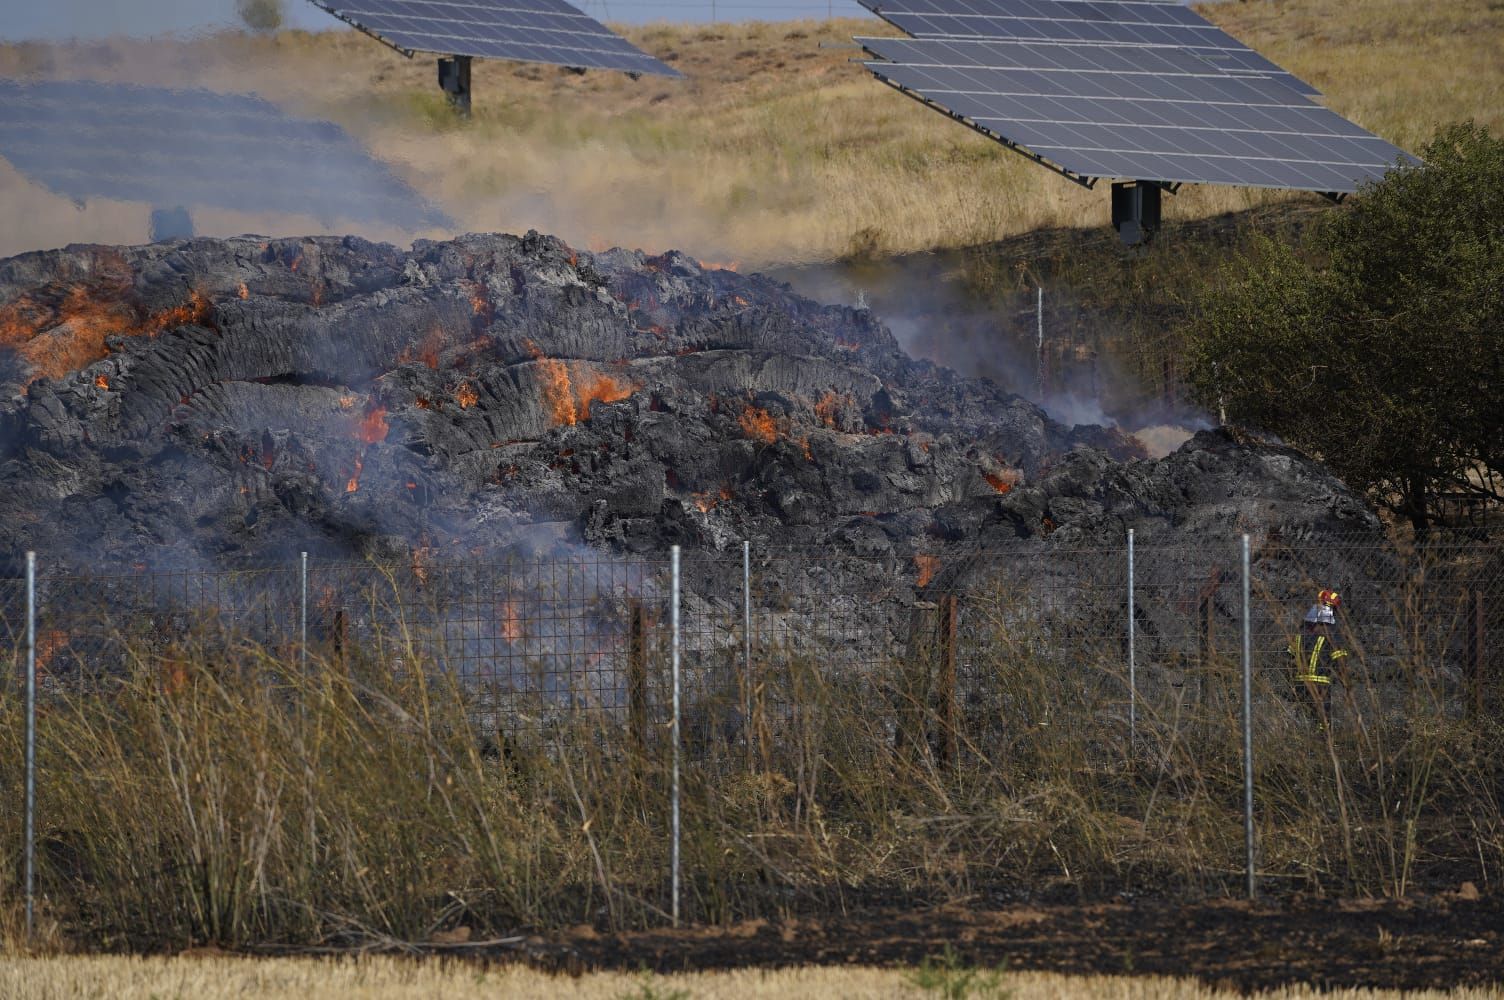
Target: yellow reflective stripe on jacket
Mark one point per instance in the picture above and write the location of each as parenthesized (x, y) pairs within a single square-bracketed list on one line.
[(1310, 676)]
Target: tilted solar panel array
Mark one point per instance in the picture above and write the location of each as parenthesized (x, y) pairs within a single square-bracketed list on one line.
[(543, 31), (1098, 22), (1153, 104), (195, 148)]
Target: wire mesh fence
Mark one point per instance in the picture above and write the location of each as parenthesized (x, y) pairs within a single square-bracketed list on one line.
[(535, 639), (1111, 675)]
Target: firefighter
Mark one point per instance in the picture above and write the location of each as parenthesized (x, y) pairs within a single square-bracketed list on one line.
[(1318, 655)]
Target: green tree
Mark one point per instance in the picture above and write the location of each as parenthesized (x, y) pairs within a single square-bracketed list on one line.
[(260, 15), (1378, 345)]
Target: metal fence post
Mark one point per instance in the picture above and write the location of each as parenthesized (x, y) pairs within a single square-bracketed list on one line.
[(945, 689), (1477, 653), (1039, 346), (1132, 657), (674, 843), (637, 678), (31, 741), (748, 682), (1248, 723), (303, 615)]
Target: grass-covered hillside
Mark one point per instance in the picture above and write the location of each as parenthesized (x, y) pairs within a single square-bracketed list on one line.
[(776, 147)]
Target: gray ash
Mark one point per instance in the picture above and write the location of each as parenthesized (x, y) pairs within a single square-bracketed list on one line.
[(228, 401)]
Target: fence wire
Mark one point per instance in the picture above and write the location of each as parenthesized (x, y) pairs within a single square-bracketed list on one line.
[(941, 637)]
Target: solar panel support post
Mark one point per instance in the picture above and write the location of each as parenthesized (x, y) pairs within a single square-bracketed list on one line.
[(454, 81), (171, 224), (1136, 210)]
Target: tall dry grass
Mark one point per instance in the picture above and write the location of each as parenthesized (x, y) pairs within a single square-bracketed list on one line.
[(774, 150), (383, 978), (216, 792)]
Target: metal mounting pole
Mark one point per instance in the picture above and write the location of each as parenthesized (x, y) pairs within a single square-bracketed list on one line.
[(1247, 724), (674, 843), (454, 81), (1132, 655), (31, 741)]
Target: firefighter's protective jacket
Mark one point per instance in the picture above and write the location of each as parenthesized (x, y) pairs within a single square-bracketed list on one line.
[(1315, 657)]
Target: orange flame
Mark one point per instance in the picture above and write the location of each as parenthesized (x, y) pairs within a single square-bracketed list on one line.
[(758, 424), (354, 483), (101, 381), (713, 265), (599, 387), (49, 644), (195, 310), (1003, 482), (568, 399), (927, 567), (829, 406), (466, 396), (62, 337), (174, 674), (373, 427), (558, 395), (706, 502), (511, 622), (244, 292), (426, 350)]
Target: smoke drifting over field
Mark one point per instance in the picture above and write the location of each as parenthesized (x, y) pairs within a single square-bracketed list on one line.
[(925, 301)]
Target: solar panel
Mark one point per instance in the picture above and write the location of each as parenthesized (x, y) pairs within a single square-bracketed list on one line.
[(1099, 22), (1119, 111), (85, 140), (543, 31)]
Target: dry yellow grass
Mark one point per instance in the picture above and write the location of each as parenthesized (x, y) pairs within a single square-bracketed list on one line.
[(773, 150), (382, 978)]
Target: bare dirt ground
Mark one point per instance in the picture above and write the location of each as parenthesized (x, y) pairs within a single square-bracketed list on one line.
[(1434, 942)]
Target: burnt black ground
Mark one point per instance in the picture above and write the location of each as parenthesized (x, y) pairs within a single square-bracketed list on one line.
[(1430, 942)]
